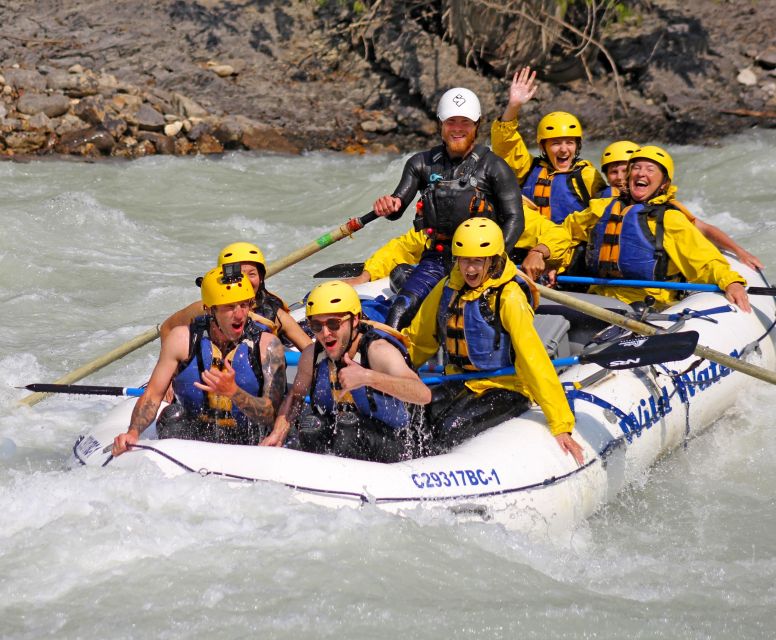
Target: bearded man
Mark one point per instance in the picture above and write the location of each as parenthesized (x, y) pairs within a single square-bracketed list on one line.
[(456, 180)]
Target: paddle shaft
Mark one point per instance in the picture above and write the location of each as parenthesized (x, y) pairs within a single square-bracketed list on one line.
[(655, 284), (347, 229), (644, 329)]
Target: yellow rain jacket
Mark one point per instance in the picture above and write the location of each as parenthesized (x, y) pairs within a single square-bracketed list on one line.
[(507, 142), (535, 377), (408, 248), (690, 253)]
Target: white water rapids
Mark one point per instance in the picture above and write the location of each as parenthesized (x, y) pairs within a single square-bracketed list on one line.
[(93, 254)]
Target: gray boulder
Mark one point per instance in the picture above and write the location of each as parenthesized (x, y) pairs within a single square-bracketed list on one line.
[(53, 105)]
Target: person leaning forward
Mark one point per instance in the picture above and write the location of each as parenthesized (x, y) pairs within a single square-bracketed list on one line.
[(364, 395), (457, 179), (227, 371), (482, 337), (644, 234)]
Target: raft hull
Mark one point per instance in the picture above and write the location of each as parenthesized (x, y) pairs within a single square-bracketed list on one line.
[(515, 473)]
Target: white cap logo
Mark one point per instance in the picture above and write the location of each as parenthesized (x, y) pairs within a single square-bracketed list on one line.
[(459, 100)]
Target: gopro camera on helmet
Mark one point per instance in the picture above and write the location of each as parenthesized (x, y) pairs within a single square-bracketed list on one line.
[(232, 273)]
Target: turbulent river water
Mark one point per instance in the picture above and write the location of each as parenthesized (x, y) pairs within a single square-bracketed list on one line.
[(93, 254)]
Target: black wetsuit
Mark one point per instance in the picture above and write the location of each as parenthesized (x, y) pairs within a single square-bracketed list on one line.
[(487, 187)]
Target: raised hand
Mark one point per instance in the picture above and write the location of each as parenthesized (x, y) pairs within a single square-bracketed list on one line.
[(522, 89)]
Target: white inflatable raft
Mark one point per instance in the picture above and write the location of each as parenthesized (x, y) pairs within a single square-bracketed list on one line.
[(514, 473)]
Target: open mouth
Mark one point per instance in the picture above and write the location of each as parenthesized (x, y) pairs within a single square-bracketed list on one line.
[(237, 327), (330, 343)]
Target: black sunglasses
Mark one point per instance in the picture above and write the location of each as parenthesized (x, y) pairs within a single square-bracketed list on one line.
[(332, 324)]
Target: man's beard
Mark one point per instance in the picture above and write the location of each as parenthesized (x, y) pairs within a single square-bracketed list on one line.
[(460, 146)]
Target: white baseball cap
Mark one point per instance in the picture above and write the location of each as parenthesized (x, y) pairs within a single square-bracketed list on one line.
[(459, 102)]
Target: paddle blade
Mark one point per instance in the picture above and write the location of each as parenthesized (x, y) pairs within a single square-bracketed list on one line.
[(640, 351), (343, 270), (761, 291)]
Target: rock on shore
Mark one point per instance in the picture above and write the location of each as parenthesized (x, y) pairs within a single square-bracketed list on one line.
[(174, 76), (81, 112)]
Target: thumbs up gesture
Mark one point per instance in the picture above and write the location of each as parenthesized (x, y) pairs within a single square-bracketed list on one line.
[(352, 375)]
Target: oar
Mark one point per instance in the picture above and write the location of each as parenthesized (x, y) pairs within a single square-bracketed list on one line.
[(342, 270), (84, 389), (98, 363), (344, 230), (627, 353), (648, 330), (292, 359), (654, 284)]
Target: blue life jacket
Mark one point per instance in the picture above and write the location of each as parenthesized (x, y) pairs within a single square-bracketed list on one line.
[(246, 362), (567, 191), (480, 341), (366, 401), (623, 246)]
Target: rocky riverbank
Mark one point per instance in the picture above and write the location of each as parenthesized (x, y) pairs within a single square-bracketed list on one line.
[(133, 79), (80, 112)]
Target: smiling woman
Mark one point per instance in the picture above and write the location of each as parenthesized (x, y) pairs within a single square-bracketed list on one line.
[(646, 235), (471, 339), (558, 182)]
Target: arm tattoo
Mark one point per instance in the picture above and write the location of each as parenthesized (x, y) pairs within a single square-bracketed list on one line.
[(295, 408), (143, 414), (274, 368)]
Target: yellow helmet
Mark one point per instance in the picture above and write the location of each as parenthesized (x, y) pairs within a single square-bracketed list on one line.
[(333, 297), (218, 290), (241, 252), (478, 238), (558, 124), (620, 151), (658, 156)]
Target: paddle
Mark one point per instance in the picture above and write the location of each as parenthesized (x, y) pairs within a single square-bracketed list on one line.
[(645, 329), (342, 270), (345, 230), (83, 389), (627, 353), (653, 284), (292, 359)]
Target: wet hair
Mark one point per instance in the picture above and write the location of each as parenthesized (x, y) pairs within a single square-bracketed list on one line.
[(497, 265)]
